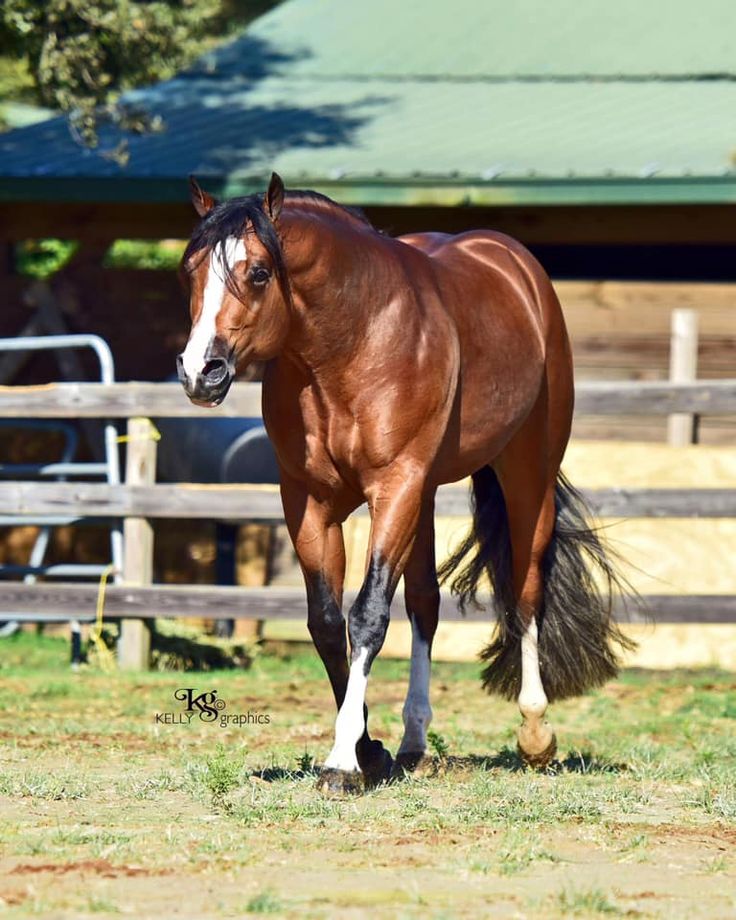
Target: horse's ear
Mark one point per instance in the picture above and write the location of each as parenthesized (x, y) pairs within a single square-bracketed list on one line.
[(274, 200), (203, 203)]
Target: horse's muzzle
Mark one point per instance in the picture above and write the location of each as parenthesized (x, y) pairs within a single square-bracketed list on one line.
[(211, 384)]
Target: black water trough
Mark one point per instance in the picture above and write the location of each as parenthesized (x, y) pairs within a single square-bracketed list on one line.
[(217, 450)]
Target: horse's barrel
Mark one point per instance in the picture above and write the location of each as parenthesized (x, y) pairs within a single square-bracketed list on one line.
[(215, 450)]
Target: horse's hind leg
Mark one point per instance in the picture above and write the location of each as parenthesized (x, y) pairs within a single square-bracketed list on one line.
[(528, 485), (531, 531), (422, 597)]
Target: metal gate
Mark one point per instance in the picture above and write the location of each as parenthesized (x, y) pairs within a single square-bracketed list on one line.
[(65, 468)]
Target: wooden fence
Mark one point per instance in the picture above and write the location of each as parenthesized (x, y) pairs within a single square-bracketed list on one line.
[(140, 499)]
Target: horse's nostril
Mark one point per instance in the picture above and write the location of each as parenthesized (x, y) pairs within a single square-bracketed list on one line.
[(215, 370)]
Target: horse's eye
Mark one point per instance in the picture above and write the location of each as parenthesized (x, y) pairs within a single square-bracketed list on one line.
[(259, 275)]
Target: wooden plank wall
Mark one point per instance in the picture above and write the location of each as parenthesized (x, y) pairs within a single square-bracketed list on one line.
[(621, 331)]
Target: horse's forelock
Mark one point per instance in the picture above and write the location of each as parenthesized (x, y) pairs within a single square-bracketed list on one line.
[(232, 219)]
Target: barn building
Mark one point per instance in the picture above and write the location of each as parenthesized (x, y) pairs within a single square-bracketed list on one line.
[(601, 135)]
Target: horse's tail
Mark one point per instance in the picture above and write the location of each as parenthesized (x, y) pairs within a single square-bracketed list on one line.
[(577, 633)]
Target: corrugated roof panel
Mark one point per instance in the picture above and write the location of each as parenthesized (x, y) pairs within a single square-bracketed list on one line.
[(487, 38), (480, 95), (462, 131)]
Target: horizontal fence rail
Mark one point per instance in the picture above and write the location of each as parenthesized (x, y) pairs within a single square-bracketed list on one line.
[(123, 400), (655, 397), (246, 503), (22, 501), (167, 400), (70, 601)]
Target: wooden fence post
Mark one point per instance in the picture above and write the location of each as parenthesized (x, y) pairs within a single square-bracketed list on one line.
[(134, 646), (683, 369), (252, 570)]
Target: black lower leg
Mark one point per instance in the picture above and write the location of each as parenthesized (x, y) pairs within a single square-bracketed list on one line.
[(369, 615), (368, 623), (326, 626)]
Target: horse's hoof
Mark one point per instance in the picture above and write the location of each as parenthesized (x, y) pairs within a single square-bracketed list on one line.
[(537, 745), (376, 763), (416, 762), (340, 783)]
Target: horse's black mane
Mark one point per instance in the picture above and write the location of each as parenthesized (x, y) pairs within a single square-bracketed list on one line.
[(323, 201), (228, 218)]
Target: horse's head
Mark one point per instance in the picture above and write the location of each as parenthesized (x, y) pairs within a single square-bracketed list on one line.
[(239, 290)]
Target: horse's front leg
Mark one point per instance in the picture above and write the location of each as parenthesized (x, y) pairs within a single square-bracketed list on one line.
[(395, 509), (318, 542)]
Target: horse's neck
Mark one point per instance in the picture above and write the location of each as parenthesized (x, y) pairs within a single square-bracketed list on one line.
[(342, 281)]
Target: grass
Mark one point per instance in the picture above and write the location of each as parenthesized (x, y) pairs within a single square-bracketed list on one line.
[(438, 744), (518, 851), (39, 785), (102, 906), (636, 849), (586, 903), (264, 903), (646, 778), (719, 802), (219, 774)]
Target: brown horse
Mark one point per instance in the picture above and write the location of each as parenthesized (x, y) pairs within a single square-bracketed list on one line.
[(395, 365)]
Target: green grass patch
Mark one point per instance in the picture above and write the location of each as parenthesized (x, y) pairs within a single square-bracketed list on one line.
[(55, 785), (586, 903), (219, 774), (265, 902), (519, 851), (88, 774)]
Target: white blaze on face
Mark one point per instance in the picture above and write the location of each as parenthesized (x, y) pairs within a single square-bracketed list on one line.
[(203, 331)]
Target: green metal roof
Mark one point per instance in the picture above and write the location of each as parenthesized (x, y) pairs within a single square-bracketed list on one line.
[(465, 39), (421, 102)]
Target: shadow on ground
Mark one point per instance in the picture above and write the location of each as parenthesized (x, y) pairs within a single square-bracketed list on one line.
[(506, 760)]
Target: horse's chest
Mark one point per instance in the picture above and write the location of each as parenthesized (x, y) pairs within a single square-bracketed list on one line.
[(312, 442)]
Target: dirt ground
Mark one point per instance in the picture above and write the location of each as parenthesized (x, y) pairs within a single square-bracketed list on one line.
[(107, 810)]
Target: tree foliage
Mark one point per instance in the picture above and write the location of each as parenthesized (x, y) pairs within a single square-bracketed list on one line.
[(83, 53)]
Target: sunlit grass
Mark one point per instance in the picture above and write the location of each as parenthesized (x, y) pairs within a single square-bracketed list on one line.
[(85, 751)]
